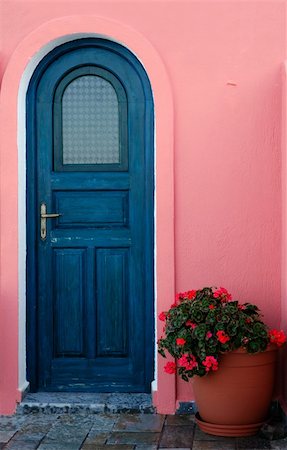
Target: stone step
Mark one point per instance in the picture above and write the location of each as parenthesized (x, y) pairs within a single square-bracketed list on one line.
[(66, 402)]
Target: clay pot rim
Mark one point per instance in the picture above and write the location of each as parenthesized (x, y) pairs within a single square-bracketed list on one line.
[(242, 350)]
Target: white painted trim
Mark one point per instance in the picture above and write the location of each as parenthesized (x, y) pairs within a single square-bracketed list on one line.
[(22, 250)]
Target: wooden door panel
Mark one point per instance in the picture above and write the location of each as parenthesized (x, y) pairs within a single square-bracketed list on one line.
[(70, 302), (113, 313), (91, 208)]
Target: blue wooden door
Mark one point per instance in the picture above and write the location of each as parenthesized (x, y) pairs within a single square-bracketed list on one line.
[(90, 264)]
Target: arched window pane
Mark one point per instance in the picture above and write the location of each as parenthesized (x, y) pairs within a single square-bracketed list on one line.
[(90, 120)]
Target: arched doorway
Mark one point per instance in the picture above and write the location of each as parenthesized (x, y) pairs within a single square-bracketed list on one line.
[(90, 267)]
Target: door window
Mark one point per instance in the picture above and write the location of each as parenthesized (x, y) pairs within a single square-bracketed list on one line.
[(90, 121)]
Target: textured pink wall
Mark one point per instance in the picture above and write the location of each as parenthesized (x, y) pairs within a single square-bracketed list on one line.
[(283, 374), (223, 61)]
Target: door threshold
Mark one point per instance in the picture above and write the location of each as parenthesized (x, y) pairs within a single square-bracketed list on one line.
[(95, 403)]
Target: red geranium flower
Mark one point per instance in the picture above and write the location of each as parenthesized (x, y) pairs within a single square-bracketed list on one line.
[(181, 296), (211, 307), (190, 294), (241, 307), (188, 362), (277, 337), (170, 368), (222, 337), (208, 335), (190, 324), (162, 316), (180, 341), (210, 363), (223, 294)]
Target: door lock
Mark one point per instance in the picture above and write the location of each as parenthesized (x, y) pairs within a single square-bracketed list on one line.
[(44, 216)]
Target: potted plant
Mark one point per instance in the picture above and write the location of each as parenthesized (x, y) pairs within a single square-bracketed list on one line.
[(228, 352)]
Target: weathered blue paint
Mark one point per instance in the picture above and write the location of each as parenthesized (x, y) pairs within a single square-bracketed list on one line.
[(90, 283)]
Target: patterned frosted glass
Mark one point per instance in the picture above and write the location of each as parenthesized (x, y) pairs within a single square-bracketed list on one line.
[(90, 113)]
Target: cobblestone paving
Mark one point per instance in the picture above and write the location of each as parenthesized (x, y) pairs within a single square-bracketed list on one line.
[(109, 431)]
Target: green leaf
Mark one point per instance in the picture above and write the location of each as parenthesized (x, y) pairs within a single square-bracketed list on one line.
[(161, 352), (200, 331)]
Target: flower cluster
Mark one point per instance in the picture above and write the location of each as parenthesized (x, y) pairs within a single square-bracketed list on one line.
[(201, 325), (188, 362), (210, 363), (277, 337)]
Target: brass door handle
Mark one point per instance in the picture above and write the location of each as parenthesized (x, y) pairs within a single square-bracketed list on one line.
[(50, 216), (44, 216)]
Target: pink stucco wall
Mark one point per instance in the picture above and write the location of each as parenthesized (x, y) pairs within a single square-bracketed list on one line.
[(283, 366), (220, 64)]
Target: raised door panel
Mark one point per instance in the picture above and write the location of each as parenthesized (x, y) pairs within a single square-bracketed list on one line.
[(112, 302), (91, 208), (69, 302)]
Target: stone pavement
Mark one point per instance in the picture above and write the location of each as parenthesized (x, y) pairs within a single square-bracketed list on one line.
[(107, 431)]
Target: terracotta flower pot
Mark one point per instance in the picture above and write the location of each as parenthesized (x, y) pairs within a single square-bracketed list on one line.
[(234, 400)]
